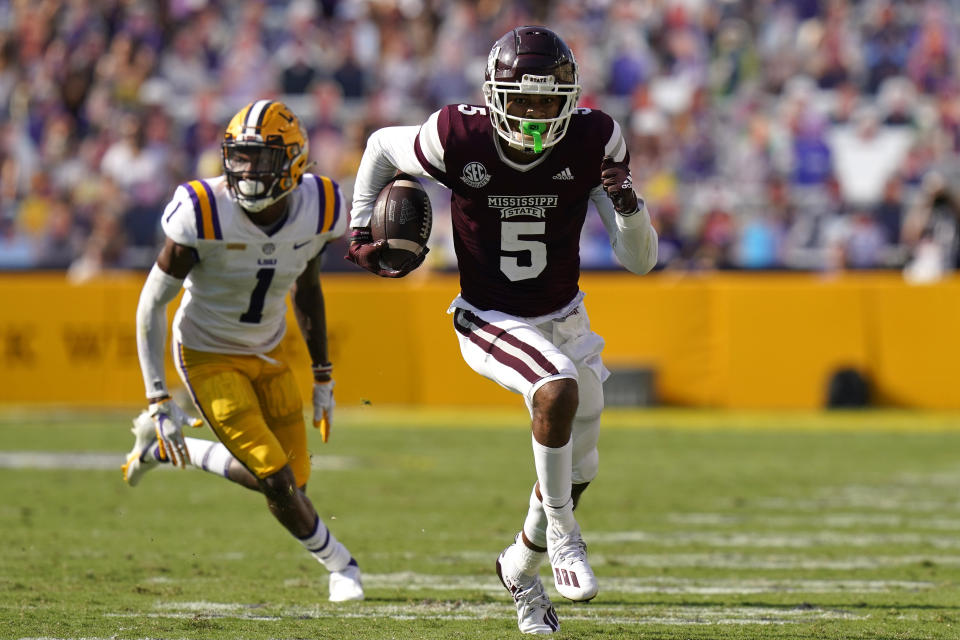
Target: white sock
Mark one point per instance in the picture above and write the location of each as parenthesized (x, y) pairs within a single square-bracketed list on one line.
[(555, 472), (325, 547), (205, 455), (210, 456), (535, 526), (525, 558)]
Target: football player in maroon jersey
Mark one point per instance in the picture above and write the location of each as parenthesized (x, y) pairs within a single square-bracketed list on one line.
[(521, 170)]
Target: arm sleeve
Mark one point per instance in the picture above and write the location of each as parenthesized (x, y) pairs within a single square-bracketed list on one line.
[(633, 238), (388, 150), (159, 289)]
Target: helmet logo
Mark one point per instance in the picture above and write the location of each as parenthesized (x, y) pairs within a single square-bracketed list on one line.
[(492, 61), (475, 175), (537, 84)]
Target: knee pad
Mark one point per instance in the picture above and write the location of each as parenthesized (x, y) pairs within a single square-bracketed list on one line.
[(227, 395), (586, 467), (591, 395), (280, 398), (586, 428)]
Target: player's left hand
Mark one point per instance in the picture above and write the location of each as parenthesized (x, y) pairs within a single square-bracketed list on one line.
[(323, 404), (169, 420), (616, 181)]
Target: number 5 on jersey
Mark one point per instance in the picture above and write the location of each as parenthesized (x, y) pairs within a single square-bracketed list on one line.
[(510, 241)]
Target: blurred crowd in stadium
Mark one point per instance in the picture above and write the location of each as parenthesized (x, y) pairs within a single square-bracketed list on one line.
[(766, 134)]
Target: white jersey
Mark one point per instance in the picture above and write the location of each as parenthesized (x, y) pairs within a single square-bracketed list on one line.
[(235, 295)]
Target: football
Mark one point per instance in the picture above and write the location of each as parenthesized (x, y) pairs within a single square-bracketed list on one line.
[(403, 217)]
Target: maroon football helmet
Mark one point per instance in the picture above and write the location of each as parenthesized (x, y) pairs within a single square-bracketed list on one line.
[(530, 60)]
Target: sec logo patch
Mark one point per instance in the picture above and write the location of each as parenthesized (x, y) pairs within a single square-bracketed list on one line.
[(475, 175)]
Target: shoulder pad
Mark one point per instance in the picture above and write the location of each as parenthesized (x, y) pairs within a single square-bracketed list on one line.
[(192, 214), (331, 222)]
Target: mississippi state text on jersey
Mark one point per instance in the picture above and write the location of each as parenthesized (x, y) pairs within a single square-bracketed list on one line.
[(235, 296), (516, 228)]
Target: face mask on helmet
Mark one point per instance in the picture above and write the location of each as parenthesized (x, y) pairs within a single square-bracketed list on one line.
[(536, 62), (264, 154), (253, 170)]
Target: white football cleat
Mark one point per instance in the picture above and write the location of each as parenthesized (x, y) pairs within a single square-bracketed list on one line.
[(141, 458), (347, 584), (572, 574), (535, 612)]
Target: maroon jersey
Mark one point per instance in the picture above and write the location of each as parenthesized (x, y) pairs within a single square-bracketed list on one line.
[(516, 232)]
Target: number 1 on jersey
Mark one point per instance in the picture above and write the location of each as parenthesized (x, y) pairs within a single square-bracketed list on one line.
[(254, 312)]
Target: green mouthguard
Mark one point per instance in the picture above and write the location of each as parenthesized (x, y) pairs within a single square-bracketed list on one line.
[(536, 131)]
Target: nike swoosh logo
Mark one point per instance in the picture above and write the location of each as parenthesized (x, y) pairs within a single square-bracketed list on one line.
[(302, 244)]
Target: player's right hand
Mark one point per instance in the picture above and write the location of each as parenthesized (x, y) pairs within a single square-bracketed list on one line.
[(169, 420), (365, 253)]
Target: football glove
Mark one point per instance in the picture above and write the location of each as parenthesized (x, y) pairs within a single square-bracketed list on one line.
[(617, 183), (169, 420), (323, 405), (365, 253)]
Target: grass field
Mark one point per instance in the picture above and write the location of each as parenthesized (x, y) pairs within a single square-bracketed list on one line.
[(701, 525)]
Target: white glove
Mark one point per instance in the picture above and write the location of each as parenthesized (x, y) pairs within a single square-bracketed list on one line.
[(169, 420), (323, 407)]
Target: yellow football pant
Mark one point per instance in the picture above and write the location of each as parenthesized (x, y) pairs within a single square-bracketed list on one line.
[(254, 406)]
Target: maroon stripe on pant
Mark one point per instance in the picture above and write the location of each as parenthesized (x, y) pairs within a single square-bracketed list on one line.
[(513, 341), (465, 321)]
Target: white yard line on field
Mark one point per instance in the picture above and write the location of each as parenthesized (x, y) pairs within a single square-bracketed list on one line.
[(825, 520), (795, 539), (89, 460), (410, 581), (739, 560), (704, 560), (110, 461), (883, 499), (460, 610), (762, 561)]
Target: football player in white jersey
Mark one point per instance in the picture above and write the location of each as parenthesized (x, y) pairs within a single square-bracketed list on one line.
[(238, 244)]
